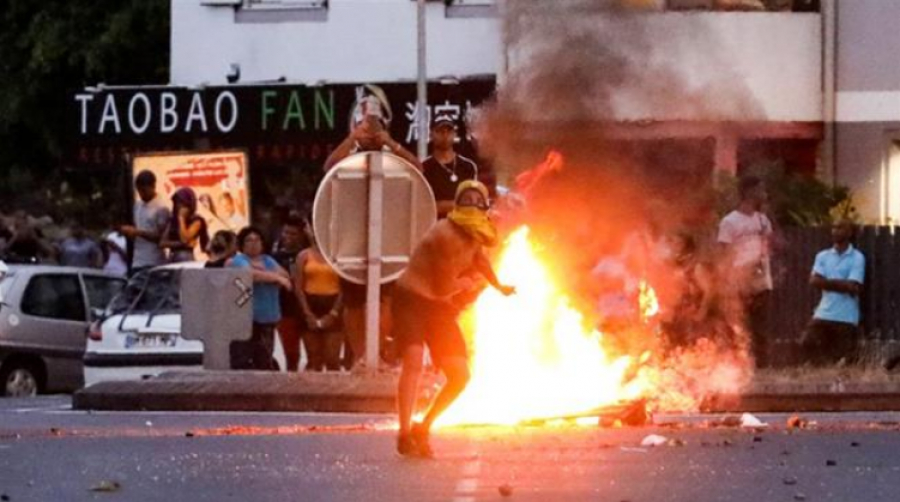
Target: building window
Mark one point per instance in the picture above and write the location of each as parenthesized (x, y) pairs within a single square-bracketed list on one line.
[(281, 11), (744, 5), (471, 8), (286, 4)]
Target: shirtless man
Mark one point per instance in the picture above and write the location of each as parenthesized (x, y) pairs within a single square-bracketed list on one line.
[(426, 305)]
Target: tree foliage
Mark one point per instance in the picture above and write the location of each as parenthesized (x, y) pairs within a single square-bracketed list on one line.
[(49, 49), (795, 200)]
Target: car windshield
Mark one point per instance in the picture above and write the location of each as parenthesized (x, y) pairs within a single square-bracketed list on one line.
[(156, 292)]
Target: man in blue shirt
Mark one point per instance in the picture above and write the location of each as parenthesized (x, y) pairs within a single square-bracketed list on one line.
[(839, 273)]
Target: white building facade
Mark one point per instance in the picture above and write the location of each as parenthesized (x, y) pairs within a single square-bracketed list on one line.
[(828, 96)]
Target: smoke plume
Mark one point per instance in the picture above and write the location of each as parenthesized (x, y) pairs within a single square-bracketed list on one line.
[(613, 97)]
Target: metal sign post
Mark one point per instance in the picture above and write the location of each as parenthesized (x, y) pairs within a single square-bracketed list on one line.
[(373, 261), (370, 212)]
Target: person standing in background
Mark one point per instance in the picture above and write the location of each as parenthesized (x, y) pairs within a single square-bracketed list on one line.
[(445, 169), (115, 247), (150, 219), (186, 228), (268, 277), (318, 288), (222, 248), (838, 272), (290, 243), (744, 237), (79, 250)]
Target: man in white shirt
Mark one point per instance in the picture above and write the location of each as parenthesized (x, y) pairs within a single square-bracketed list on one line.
[(150, 218), (744, 237)]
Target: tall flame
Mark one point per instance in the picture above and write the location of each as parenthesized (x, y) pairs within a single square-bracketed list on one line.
[(533, 355)]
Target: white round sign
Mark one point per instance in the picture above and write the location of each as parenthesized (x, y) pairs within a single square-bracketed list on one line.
[(341, 215)]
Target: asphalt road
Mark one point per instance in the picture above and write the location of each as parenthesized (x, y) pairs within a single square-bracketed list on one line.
[(50, 453)]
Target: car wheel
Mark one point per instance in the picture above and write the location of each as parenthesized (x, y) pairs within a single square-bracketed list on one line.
[(19, 380)]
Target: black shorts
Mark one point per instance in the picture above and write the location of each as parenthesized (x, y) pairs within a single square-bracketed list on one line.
[(418, 320), (355, 294)]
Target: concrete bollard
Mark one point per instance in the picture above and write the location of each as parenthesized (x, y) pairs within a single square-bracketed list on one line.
[(217, 309)]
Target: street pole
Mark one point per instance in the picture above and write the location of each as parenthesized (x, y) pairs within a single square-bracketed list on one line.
[(373, 258), (421, 84)]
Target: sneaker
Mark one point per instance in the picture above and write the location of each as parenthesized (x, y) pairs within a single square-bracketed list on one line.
[(406, 445), (420, 436)]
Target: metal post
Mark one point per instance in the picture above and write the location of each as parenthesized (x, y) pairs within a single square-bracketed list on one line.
[(373, 262), (421, 84), (828, 168)]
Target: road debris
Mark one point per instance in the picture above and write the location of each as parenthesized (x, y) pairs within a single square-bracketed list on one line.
[(854, 444), (790, 481), (748, 421), (654, 440), (796, 422), (505, 489), (799, 496), (106, 486), (830, 463), (729, 421), (676, 442)]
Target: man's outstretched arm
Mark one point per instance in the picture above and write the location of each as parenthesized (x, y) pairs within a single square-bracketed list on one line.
[(484, 267)]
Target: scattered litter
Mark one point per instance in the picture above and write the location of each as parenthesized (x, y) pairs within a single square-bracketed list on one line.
[(790, 481), (854, 444), (795, 422), (785, 452), (751, 422), (676, 442), (830, 463), (505, 489), (106, 486), (4, 497), (727, 442), (757, 439), (188, 434), (54, 431), (148, 423), (654, 440), (799, 496), (730, 421)]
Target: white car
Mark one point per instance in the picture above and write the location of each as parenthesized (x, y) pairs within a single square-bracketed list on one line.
[(139, 334)]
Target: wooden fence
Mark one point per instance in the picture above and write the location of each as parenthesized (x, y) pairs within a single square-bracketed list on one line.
[(792, 302)]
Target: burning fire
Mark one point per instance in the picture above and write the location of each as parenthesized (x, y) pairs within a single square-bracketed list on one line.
[(534, 357)]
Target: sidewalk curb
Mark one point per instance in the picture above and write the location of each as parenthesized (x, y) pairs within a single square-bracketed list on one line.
[(246, 391), (376, 393), (788, 402)]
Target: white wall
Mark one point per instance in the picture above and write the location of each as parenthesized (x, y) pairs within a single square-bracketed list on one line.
[(774, 57), (361, 41)]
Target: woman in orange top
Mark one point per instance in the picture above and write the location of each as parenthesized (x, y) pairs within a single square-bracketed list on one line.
[(318, 290)]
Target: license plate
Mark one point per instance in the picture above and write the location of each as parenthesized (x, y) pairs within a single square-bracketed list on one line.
[(149, 340)]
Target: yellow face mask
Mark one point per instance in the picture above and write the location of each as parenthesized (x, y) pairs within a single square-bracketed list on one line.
[(475, 222)]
